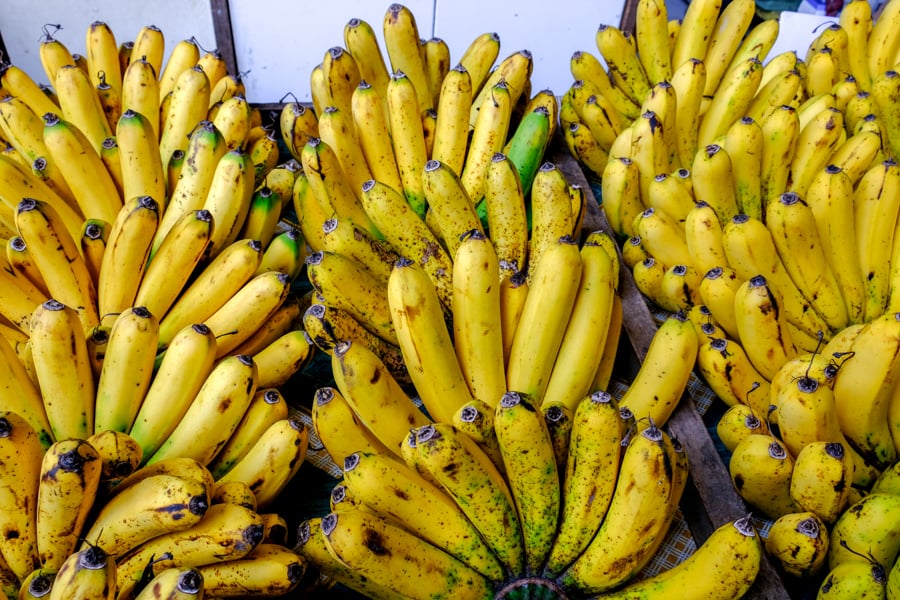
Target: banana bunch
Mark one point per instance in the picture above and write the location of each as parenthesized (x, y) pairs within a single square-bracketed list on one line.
[(457, 516), (403, 155), (77, 526)]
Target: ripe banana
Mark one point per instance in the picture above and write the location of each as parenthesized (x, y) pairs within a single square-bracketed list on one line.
[(20, 472), (761, 469), (88, 573), (820, 483)]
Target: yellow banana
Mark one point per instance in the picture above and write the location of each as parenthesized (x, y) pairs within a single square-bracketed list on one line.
[(550, 299), (150, 42), (489, 134), (269, 569), (652, 37), (621, 191), (726, 368), (184, 55), (21, 84), (228, 200), (452, 127), (297, 123), (515, 70), (821, 479), (141, 91), (142, 173), (476, 419), (380, 403), (360, 40), (479, 56), (422, 508), (450, 203), (343, 236), (856, 19), (80, 104), (56, 255), (437, 64), (418, 319), (214, 413), (733, 552), (226, 532), (737, 422), (731, 100), (342, 75), (345, 532), (477, 487), (368, 114), (506, 211), (172, 389), (174, 584), (20, 473), (272, 461), (218, 280), (401, 40), (188, 106), (799, 542), (761, 469), (20, 394), (642, 497), (866, 524), (63, 370), (625, 66), (88, 573), (338, 427), (408, 138), (477, 336), (698, 24)]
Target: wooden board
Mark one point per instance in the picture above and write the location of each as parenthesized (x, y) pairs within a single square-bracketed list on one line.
[(710, 499)]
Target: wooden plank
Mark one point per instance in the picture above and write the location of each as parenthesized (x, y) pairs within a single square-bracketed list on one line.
[(710, 500), (629, 14), (221, 17)]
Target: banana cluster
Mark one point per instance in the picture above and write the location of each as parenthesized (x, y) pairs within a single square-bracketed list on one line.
[(77, 522), (513, 499), (147, 317), (761, 200)]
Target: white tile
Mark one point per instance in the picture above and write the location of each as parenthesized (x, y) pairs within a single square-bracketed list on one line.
[(21, 22), (552, 32), (280, 42), (796, 31)]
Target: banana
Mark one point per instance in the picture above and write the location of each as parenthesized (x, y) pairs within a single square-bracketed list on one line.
[(590, 71), (738, 422), (865, 420), (452, 126), (112, 160), (477, 336), (450, 204), (297, 123), (762, 326), (731, 100), (20, 472), (171, 390), (408, 234), (688, 81), (56, 255), (874, 205), (371, 125), (882, 46), (834, 215), (226, 532), (663, 375), (514, 70), (63, 370), (215, 412), (345, 534), (360, 41), (206, 146), (80, 105), (401, 40), (532, 473), (733, 552), (476, 486), (233, 117), (188, 106), (625, 67), (614, 333), (726, 368), (283, 320), (150, 42), (88, 573), (823, 70), (647, 276), (20, 394), (751, 251), (418, 320), (703, 234), (184, 55), (174, 261), (805, 412), (180, 466), (817, 141), (318, 89), (338, 427), (652, 38), (621, 192), (761, 469), (856, 579), (269, 569), (866, 524), (218, 280), (266, 407), (437, 64), (649, 149), (668, 195), (343, 236), (284, 357), (174, 584), (143, 174), (479, 56), (551, 297), (125, 257), (856, 20), (732, 31), (821, 479), (120, 456), (857, 154), (698, 23), (581, 350), (590, 477), (342, 75), (140, 91), (776, 90), (504, 202), (349, 286), (69, 480), (228, 200), (795, 235), (272, 461), (799, 542), (552, 214), (408, 138), (476, 419), (380, 403), (311, 545), (37, 584), (156, 505), (641, 498), (81, 166), (489, 135), (714, 182), (394, 491), (19, 83)]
